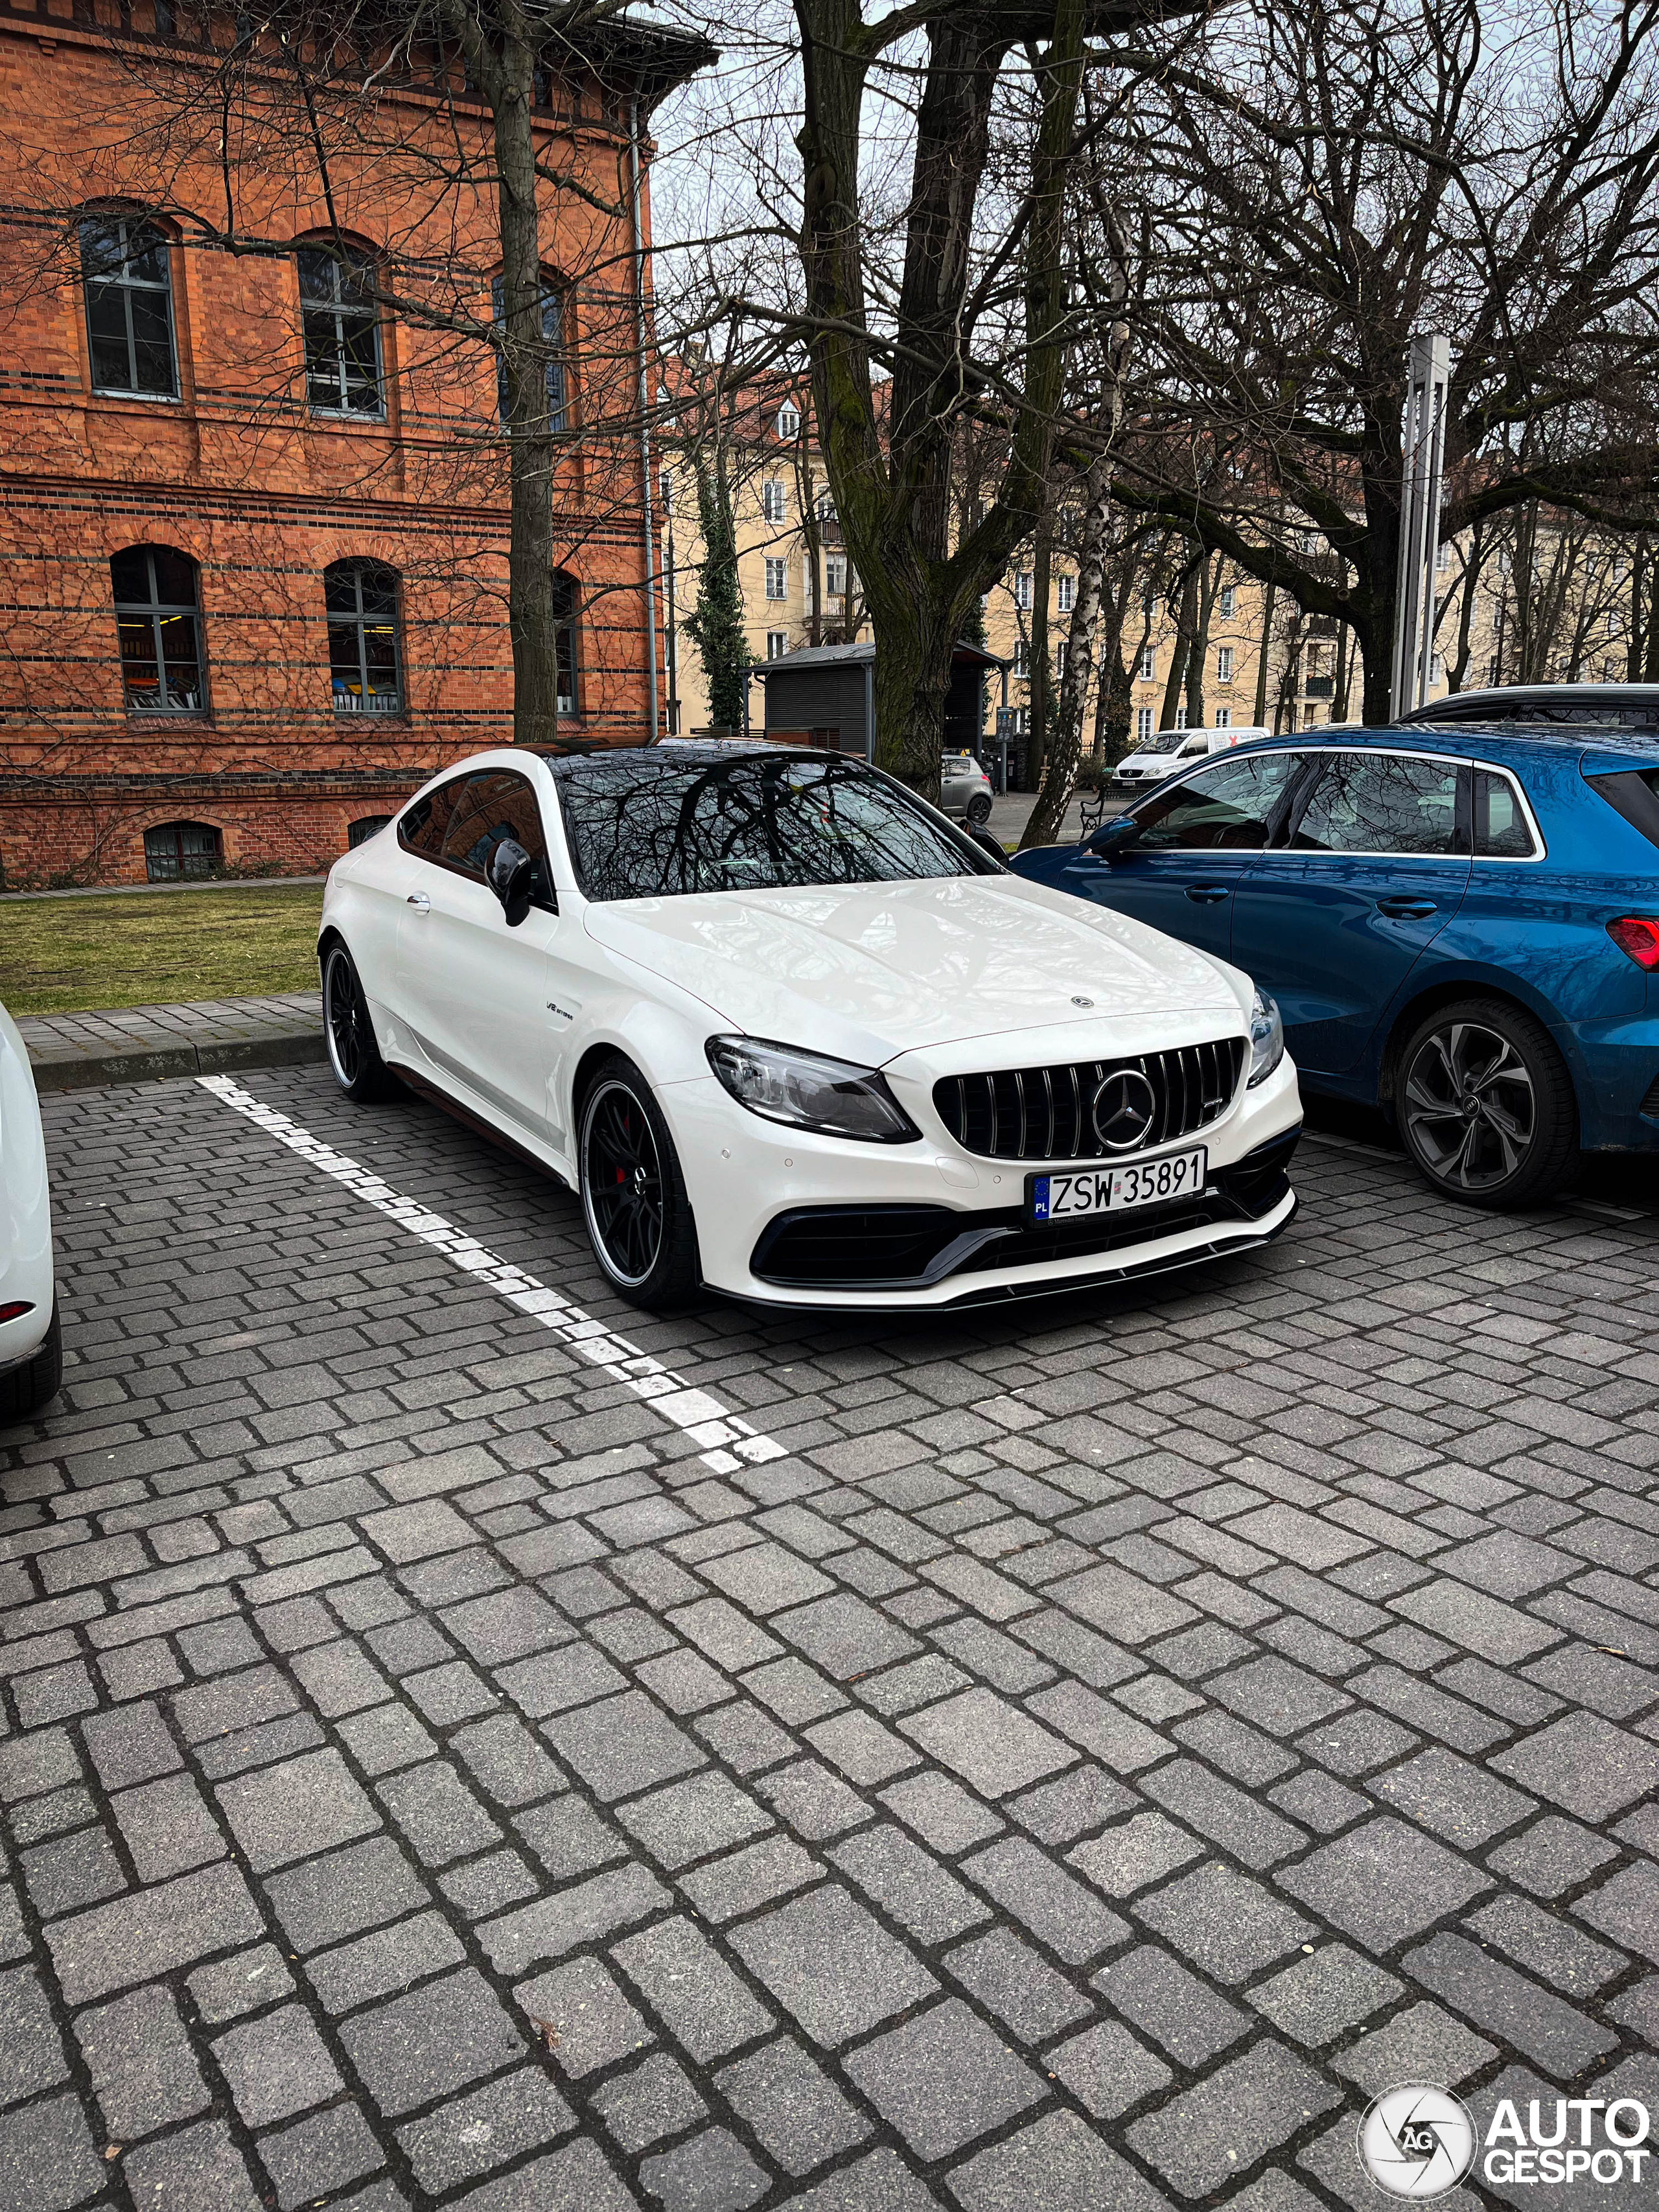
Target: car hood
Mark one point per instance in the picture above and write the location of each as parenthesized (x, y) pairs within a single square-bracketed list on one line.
[(866, 971)]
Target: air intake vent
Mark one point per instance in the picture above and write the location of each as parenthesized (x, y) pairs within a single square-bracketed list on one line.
[(1050, 1113)]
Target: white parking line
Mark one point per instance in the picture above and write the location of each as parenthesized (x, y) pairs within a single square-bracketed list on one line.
[(725, 1440)]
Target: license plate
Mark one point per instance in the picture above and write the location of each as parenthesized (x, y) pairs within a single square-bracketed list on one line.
[(1114, 1190)]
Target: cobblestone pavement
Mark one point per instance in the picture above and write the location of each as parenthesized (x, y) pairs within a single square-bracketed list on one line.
[(1068, 1757)]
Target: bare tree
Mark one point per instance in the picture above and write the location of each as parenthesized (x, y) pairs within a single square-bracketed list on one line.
[(1325, 181)]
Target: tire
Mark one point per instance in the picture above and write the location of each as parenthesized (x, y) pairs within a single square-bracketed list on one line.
[(1486, 1108), (27, 1388), (979, 811), (349, 1033), (643, 1234)]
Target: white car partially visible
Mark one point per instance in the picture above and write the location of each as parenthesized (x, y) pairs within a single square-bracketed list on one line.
[(1159, 756), (793, 1036), (31, 1340)]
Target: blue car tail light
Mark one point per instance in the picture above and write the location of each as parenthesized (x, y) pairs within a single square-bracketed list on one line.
[(1637, 936)]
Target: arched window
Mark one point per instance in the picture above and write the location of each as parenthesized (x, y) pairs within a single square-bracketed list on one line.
[(359, 833), (342, 331), (158, 622), (365, 671), (564, 615), (553, 338), (174, 850), (127, 278)]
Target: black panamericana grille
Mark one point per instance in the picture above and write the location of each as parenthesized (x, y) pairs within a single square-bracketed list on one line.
[(1048, 1113)]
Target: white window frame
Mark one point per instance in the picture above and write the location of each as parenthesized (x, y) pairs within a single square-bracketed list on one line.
[(1065, 594), (1149, 664), (1229, 601), (777, 644), (1224, 718), (835, 574), (1143, 724), (789, 423), (1223, 664), (777, 577), (1022, 590), (772, 500)]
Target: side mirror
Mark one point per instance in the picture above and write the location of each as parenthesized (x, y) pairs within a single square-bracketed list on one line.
[(1114, 836), (986, 843), (512, 872)]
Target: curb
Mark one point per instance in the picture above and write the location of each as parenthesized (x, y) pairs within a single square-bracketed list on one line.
[(91, 1071)]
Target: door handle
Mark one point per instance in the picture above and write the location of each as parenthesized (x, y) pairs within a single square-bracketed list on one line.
[(1402, 907), (1207, 893), (420, 901)]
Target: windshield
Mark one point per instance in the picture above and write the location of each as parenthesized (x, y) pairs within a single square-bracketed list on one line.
[(643, 825), (1161, 741)]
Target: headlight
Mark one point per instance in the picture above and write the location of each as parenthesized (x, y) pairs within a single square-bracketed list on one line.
[(1267, 1039), (806, 1090)]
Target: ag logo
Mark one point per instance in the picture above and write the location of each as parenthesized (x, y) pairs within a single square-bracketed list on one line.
[(1417, 2141), (1125, 1107)]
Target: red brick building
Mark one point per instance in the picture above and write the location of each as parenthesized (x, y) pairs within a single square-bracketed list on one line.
[(253, 493)]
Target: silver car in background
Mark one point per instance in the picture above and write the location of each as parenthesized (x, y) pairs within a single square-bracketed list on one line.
[(964, 789)]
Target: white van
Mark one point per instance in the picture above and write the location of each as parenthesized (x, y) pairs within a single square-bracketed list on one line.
[(1166, 750)]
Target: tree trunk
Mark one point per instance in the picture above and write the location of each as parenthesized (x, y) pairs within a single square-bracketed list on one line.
[(532, 625), (1259, 711), (1186, 621), (1060, 766), (1041, 692), (1207, 580), (913, 675)]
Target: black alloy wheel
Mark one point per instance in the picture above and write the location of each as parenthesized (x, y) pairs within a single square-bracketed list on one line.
[(979, 810), (352, 1052), (1485, 1106), (639, 1218)]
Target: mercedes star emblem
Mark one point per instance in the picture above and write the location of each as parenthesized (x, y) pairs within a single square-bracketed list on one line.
[(1083, 1002), (1125, 1107)]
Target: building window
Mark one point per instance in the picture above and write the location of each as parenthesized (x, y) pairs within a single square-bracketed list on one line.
[(564, 640), (1148, 663), (777, 578), (1065, 594), (1023, 589), (553, 370), (772, 498), (126, 276), (1224, 718), (362, 599), (1443, 557), (1229, 601), (1436, 668), (834, 573), (174, 850), (1181, 718), (360, 832), (1062, 654), (788, 421), (777, 644), (342, 333), (1223, 664), (158, 625), (1311, 718), (1143, 724), (1022, 668)]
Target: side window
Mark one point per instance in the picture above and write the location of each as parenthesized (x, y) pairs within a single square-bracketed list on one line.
[(1194, 747), (128, 286), (1225, 808), (422, 827), (1380, 803), (1501, 829), (341, 329), (496, 804)]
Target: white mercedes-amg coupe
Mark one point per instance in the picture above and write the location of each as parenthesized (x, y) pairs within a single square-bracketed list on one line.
[(794, 1037)]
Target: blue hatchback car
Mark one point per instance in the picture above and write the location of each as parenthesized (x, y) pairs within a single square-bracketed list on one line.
[(1459, 925)]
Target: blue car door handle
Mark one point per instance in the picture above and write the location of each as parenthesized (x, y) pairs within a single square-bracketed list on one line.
[(1405, 908), (1207, 893)]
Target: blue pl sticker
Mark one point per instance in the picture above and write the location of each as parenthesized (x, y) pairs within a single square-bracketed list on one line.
[(1040, 1197)]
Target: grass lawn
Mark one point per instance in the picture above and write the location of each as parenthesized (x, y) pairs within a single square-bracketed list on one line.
[(156, 948)]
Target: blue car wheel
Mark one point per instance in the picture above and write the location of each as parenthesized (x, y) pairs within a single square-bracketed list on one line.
[(1485, 1105)]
